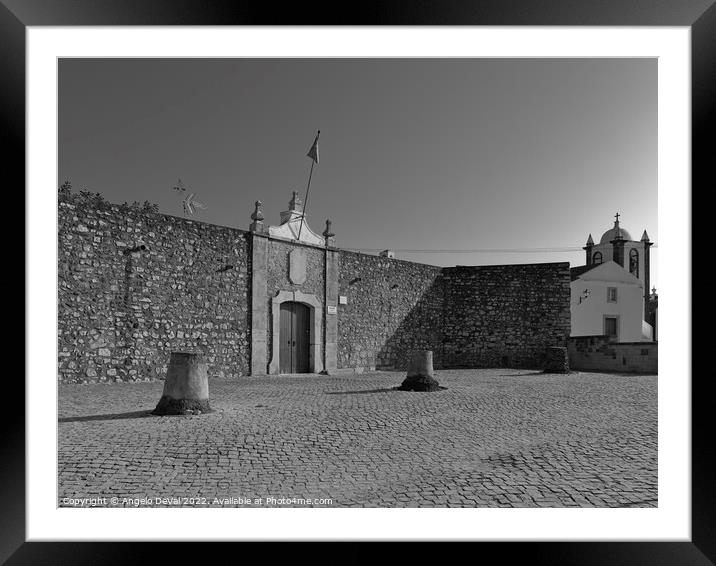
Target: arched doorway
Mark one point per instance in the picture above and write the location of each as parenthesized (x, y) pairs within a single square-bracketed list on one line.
[(313, 314), (294, 338)]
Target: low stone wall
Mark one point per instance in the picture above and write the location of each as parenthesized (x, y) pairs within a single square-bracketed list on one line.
[(596, 353)]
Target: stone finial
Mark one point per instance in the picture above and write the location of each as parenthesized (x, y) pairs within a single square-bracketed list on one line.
[(296, 202), (588, 248), (328, 233), (258, 218), (258, 214), (645, 237)]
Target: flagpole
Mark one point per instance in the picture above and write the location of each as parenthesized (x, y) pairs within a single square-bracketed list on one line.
[(305, 203), (314, 160)]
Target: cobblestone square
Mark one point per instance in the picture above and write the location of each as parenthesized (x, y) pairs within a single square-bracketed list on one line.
[(493, 438)]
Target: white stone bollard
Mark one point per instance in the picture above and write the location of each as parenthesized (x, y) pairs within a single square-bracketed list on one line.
[(186, 388), (420, 373)]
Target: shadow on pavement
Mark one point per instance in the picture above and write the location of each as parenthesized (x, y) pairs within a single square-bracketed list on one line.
[(110, 417), (523, 374), (385, 390)]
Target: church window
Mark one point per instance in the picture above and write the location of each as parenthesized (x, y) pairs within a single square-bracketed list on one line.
[(611, 294), (597, 258), (634, 262)]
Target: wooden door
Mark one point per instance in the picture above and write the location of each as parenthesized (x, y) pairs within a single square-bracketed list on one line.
[(611, 327), (295, 338)]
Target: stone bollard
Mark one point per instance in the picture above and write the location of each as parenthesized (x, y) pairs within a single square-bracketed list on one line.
[(420, 373), (556, 360), (186, 388)]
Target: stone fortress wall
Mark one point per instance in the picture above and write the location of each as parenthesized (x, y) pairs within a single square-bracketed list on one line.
[(134, 285), (393, 307), (504, 315), (479, 316), (122, 309)]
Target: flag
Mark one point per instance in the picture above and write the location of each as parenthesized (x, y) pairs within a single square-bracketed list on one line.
[(313, 152)]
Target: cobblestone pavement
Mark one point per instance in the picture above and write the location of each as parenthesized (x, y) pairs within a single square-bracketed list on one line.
[(493, 438)]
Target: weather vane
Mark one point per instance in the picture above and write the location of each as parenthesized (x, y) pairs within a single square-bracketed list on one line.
[(189, 205)]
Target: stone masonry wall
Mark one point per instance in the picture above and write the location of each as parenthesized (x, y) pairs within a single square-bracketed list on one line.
[(482, 316), (121, 312), (134, 285), (504, 315), (393, 307), (597, 353)]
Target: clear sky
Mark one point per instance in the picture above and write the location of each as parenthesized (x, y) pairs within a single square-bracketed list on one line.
[(415, 154)]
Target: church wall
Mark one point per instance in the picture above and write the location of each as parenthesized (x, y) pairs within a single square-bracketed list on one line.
[(394, 307), (588, 316), (120, 314), (504, 315)]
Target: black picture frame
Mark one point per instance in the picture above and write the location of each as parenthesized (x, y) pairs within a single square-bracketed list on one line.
[(699, 15)]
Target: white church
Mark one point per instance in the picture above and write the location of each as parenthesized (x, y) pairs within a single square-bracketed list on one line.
[(610, 294)]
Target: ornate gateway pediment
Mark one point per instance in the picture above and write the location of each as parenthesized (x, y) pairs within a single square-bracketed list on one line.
[(291, 228)]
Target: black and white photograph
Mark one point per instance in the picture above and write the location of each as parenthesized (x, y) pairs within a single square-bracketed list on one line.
[(390, 280), (357, 282)]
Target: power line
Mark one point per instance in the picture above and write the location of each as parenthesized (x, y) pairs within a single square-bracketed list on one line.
[(479, 250)]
